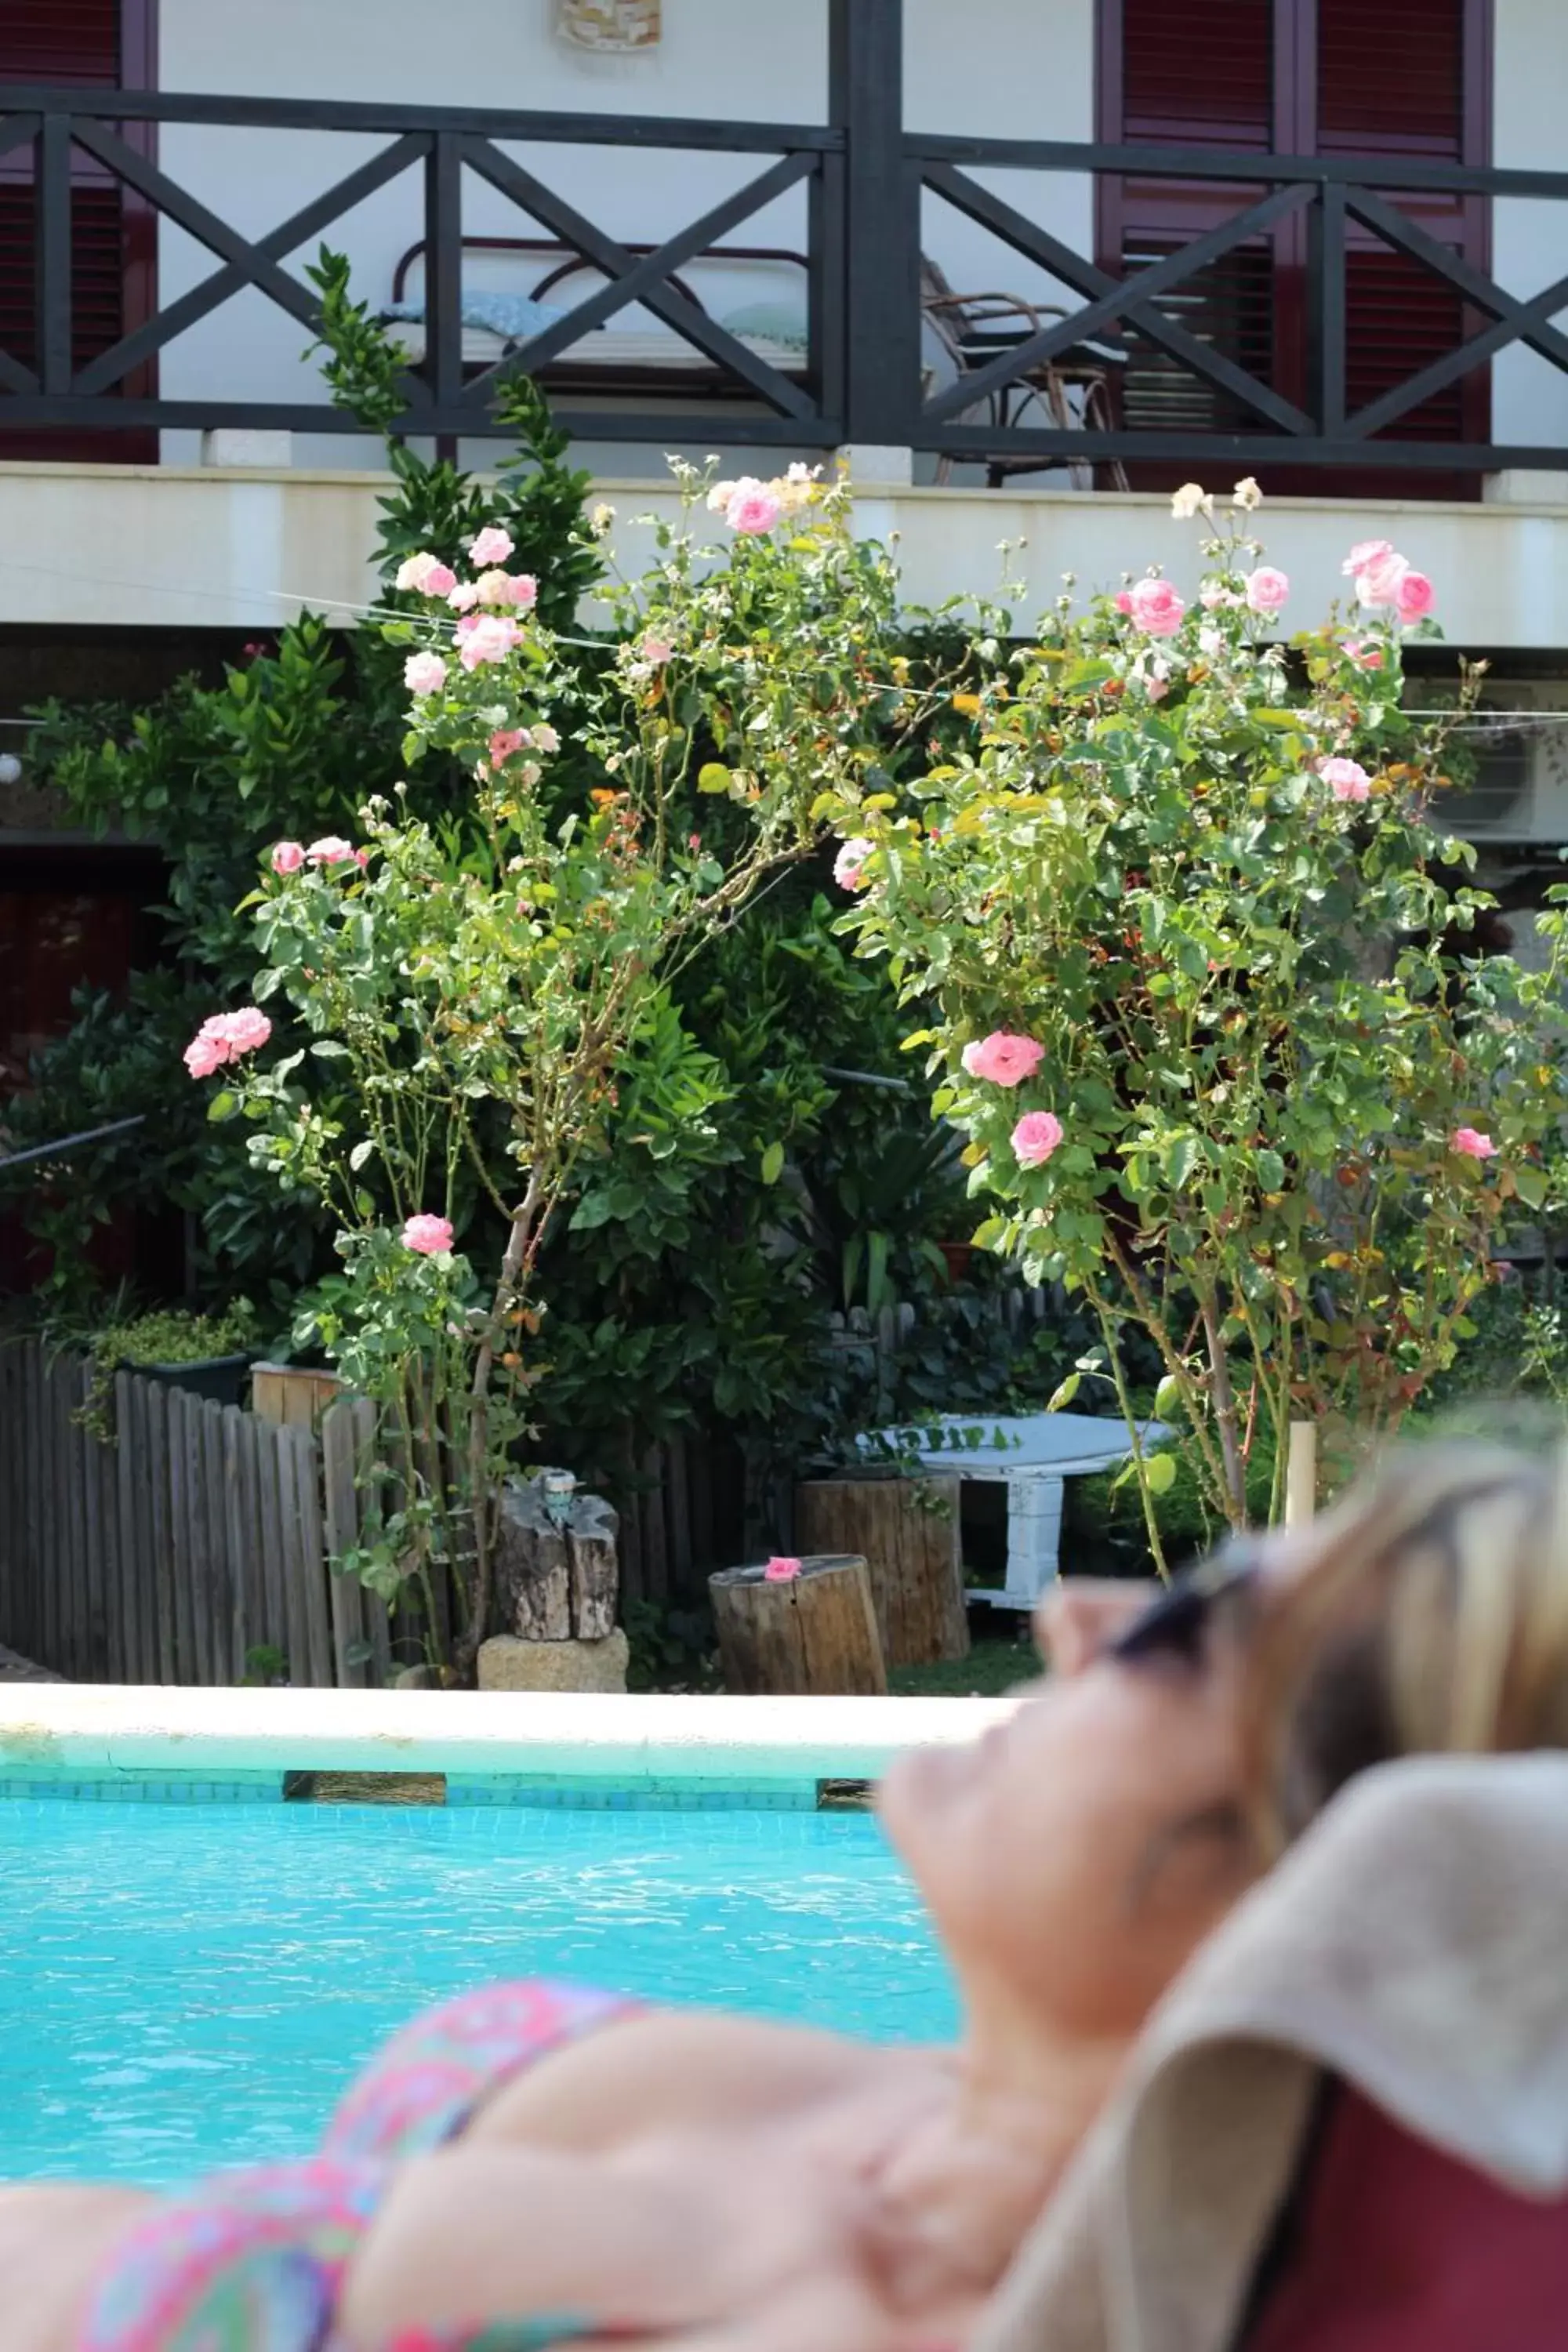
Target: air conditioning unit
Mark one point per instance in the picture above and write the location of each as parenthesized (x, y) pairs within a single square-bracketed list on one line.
[(1520, 789)]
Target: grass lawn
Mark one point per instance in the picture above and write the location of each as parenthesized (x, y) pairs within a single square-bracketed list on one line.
[(991, 1667)]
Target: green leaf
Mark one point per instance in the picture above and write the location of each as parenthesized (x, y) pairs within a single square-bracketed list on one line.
[(713, 777), (329, 1049), (360, 1154), (772, 1163), (223, 1106), (1159, 1472), (1530, 1183), (1065, 1393), (1271, 1171), (1167, 1396)]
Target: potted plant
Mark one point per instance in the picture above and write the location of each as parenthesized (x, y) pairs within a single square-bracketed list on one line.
[(210, 1355)]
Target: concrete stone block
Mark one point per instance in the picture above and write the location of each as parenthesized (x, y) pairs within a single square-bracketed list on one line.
[(509, 1662)]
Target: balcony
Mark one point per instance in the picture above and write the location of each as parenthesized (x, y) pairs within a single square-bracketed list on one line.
[(1101, 374)]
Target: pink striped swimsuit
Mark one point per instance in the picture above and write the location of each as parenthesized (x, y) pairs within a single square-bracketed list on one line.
[(253, 2262)]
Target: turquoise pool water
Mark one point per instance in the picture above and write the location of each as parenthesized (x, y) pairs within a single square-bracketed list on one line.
[(181, 1986)]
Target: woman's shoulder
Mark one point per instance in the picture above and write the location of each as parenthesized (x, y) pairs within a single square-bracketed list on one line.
[(680, 2068)]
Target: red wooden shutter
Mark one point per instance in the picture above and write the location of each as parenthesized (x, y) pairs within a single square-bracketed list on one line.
[(1297, 77), (60, 42), (1401, 93), (1198, 75), (1195, 75), (74, 45)]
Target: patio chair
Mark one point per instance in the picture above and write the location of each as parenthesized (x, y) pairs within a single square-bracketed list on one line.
[(1074, 389)]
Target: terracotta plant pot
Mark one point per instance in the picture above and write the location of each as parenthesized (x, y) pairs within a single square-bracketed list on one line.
[(958, 1254)]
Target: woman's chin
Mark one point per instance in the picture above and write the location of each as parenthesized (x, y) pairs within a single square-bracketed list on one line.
[(920, 1783)]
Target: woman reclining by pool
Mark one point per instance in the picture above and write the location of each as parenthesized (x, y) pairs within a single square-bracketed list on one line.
[(534, 2166)]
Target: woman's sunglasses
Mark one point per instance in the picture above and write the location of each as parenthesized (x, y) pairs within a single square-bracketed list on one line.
[(1177, 1624)]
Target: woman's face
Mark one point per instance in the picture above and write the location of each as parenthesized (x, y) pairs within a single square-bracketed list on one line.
[(1074, 1856)]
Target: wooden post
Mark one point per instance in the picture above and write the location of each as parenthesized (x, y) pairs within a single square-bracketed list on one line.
[(1301, 1475), (812, 1633), (557, 1577), (907, 1531)]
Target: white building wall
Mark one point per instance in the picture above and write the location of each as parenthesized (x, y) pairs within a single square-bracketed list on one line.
[(752, 60), (1530, 235)]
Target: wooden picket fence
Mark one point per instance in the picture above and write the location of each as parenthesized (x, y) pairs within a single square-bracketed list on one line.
[(198, 1535)]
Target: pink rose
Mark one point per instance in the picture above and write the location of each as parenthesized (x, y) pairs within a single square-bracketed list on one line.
[(428, 1236), (493, 545), (545, 739), (656, 651), (245, 1030), (487, 639), (424, 673), (1365, 553), (331, 850), (525, 591), (781, 1570), (1157, 688), (1347, 779), (1414, 597), (224, 1037), (1156, 608), (1379, 583), (1004, 1058), (753, 510), (494, 587), (362, 860), (1035, 1137), (846, 865), (506, 740), (1472, 1143), (1122, 601), (464, 599), (694, 843), (1363, 651), (287, 856), (441, 580), (1266, 589), (415, 570)]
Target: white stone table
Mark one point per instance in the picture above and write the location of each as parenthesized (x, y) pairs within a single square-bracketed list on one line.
[(1031, 1455)]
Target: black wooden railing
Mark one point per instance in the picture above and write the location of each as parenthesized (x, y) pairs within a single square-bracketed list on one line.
[(862, 377)]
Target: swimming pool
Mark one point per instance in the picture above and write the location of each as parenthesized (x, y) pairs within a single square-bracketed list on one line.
[(188, 1985)]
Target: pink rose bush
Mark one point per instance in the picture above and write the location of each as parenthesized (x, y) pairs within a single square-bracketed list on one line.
[(493, 545), (753, 508), (424, 674), (1004, 1059), (851, 857), (1266, 591), (485, 637), (1387, 580), (287, 856), (1346, 779), (331, 850), (1156, 608), (428, 1236), (226, 1037), (1035, 1137), (1228, 1129)]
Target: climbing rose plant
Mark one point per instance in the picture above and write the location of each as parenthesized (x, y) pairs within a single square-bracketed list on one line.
[(1207, 1008), (462, 983)]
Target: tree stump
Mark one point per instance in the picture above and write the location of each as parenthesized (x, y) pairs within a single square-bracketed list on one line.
[(808, 1635), (556, 1576), (907, 1531)]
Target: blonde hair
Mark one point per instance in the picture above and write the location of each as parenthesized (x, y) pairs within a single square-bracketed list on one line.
[(1431, 1617)]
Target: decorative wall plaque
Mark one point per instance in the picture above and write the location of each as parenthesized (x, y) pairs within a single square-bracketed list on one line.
[(610, 27)]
